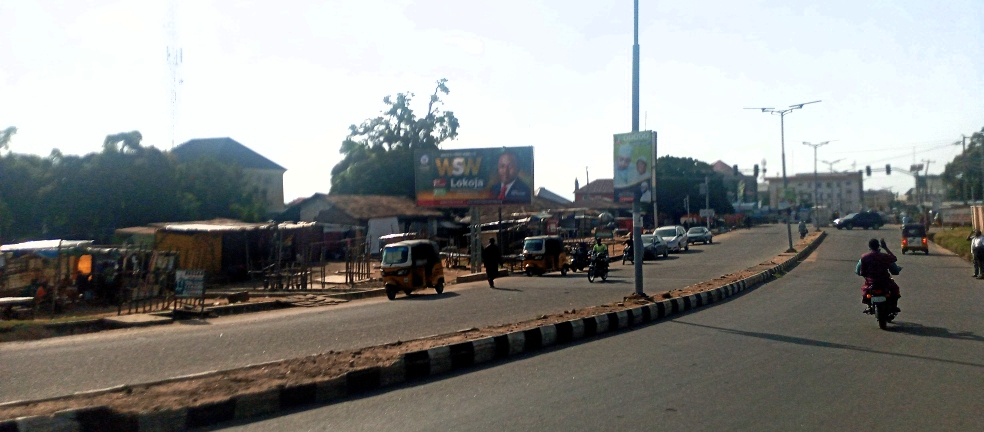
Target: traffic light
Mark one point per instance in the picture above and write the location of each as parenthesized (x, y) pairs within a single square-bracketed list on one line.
[(756, 170), (867, 170), (888, 169), (735, 168)]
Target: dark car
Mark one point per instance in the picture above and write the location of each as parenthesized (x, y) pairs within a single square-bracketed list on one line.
[(700, 234), (860, 220), (655, 247)]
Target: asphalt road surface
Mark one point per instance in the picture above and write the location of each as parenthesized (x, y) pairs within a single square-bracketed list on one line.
[(794, 354), (52, 367)]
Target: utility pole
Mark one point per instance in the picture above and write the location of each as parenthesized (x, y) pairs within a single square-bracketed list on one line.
[(636, 205), (816, 183), (785, 181), (707, 201)]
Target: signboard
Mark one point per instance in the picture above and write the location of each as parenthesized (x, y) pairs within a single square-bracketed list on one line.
[(189, 283), (634, 159), (470, 177), (706, 213)]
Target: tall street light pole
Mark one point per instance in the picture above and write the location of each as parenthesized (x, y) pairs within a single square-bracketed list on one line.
[(782, 133), (637, 248), (816, 183)]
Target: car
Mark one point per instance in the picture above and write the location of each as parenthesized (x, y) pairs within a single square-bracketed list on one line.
[(655, 247), (700, 234), (675, 237), (860, 220)]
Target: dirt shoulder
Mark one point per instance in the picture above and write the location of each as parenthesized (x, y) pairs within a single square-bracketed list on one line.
[(220, 386)]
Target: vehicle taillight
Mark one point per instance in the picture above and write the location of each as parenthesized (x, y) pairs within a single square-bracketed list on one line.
[(867, 296), (904, 242), (924, 240)]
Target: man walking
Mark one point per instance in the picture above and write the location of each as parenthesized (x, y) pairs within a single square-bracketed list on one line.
[(977, 250), (491, 258)]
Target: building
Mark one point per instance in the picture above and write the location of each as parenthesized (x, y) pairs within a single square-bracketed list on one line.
[(878, 200), (261, 173), (371, 215), (598, 190), (838, 192), (740, 188)]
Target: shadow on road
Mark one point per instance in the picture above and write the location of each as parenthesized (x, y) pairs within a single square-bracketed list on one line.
[(430, 296), (940, 332), (823, 344)]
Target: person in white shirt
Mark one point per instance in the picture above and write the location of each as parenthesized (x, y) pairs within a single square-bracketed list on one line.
[(977, 250)]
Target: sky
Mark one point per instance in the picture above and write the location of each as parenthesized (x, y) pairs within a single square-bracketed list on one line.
[(899, 80)]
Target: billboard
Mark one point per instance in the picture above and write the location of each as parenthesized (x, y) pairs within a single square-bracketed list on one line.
[(634, 170), (469, 177)]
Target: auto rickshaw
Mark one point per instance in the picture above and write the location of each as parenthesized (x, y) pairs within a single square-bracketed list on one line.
[(543, 254), (412, 265), (914, 238)]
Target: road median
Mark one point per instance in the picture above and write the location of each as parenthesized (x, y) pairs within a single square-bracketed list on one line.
[(268, 388)]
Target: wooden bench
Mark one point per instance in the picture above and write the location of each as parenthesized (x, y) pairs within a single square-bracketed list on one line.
[(7, 305)]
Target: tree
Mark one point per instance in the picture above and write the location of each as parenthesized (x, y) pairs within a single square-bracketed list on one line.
[(963, 173), (5, 136), (378, 154), (678, 177)]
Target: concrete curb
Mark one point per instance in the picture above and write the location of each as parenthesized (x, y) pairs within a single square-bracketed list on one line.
[(412, 366)]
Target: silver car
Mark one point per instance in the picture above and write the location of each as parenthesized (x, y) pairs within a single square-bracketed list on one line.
[(675, 237), (700, 234)]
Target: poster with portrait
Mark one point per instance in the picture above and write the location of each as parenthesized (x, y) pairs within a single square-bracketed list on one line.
[(635, 154), (470, 177)]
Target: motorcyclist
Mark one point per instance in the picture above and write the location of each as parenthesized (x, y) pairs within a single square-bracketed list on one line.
[(627, 250), (877, 268), (802, 228), (601, 251)]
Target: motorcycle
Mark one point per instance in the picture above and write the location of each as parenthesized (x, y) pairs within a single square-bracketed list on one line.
[(598, 266), (579, 258), (880, 306), (627, 255)]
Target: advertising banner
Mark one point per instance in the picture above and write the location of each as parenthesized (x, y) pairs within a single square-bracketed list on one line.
[(189, 283), (634, 160), (471, 177)]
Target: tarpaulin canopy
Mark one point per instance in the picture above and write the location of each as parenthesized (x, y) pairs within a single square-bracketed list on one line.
[(46, 248)]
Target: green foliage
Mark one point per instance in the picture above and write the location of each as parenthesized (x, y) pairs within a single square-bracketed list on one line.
[(955, 241), (5, 136), (378, 154), (89, 197), (678, 177), (963, 173)]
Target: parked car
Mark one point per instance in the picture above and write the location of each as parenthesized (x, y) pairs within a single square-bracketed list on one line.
[(700, 234), (675, 237), (860, 220), (655, 247)]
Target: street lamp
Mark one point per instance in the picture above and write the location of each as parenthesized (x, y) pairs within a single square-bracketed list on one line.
[(782, 133), (816, 182)]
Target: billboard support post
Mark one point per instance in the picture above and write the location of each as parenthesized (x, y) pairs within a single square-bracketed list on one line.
[(476, 240)]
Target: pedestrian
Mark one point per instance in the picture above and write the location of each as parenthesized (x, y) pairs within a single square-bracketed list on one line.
[(491, 258), (977, 250)]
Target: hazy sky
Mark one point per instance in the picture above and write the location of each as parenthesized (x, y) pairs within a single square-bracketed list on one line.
[(287, 78)]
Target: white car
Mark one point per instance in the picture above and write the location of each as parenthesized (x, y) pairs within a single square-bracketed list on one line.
[(675, 237)]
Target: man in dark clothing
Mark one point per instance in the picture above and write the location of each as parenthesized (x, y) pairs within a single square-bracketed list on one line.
[(874, 267), (491, 257)]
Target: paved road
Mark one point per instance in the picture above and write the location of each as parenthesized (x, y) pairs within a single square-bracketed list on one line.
[(106, 359), (795, 354)]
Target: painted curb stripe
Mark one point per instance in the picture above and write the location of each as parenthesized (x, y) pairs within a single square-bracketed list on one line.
[(211, 413), (462, 355), (361, 381), (296, 396)]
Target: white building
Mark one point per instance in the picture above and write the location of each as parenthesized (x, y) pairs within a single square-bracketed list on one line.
[(839, 192)]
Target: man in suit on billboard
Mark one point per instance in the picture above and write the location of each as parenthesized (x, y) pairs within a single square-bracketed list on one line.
[(510, 188)]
